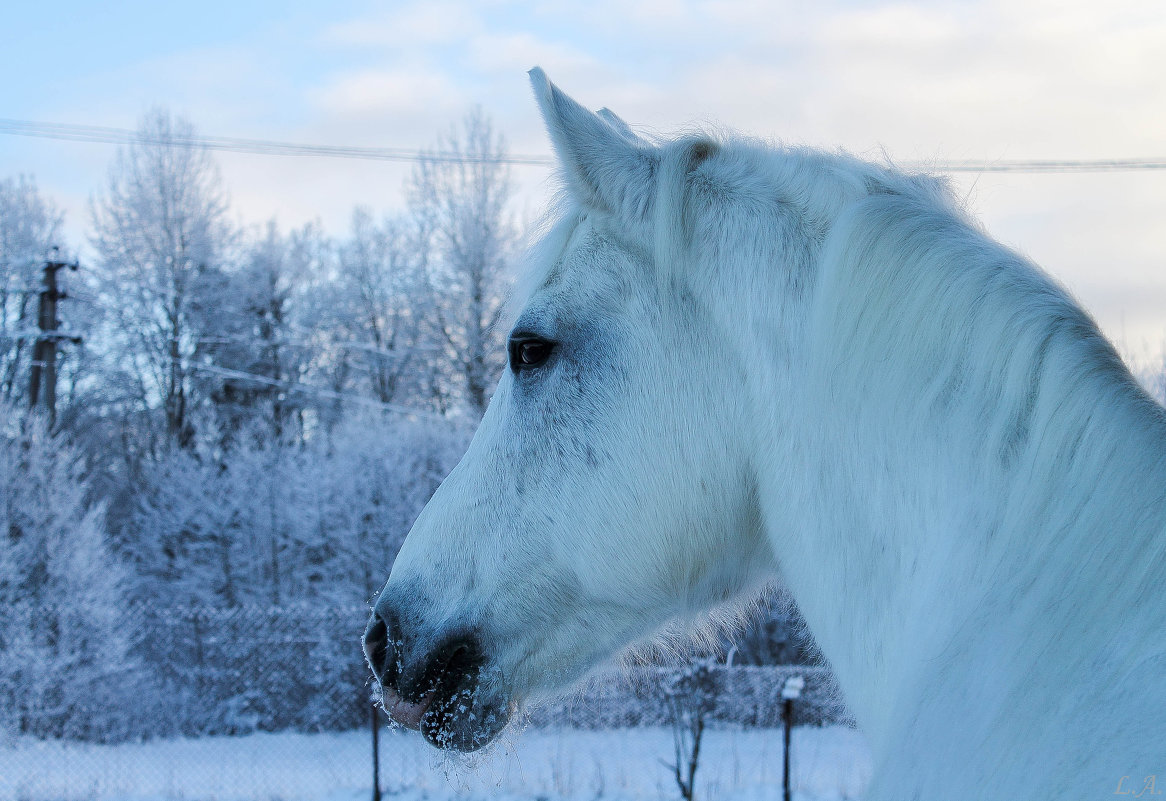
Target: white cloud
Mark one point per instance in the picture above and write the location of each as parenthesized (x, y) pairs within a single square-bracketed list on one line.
[(412, 26), (384, 92), (515, 53)]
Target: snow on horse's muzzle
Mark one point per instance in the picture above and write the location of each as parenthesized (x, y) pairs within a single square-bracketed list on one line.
[(436, 688)]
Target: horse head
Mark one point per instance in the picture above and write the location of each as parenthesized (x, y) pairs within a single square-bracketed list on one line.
[(607, 490)]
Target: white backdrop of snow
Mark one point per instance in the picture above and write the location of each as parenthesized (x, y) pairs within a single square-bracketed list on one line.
[(736, 765)]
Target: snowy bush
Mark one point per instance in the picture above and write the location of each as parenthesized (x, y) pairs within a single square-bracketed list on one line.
[(253, 668), (691, 694), (277, 523), (253, 569), (63, 652)]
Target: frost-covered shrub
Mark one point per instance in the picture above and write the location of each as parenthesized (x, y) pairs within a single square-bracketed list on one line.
[(63, 647), (277, 523), (253, 570), (254, 668), (691, 694)]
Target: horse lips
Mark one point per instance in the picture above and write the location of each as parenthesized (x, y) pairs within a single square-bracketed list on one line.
[(401, 711)]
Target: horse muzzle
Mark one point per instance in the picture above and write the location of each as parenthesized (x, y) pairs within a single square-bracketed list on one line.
[(443, 685)]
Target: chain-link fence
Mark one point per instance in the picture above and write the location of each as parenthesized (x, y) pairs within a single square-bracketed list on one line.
[(273, 703)]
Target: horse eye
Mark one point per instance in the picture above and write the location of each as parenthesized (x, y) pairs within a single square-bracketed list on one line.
[(527, 352)]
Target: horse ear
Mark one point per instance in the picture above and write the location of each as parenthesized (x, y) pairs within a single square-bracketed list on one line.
[(608, 167)]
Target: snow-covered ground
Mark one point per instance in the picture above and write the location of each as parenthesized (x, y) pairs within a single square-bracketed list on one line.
[(735, 765)]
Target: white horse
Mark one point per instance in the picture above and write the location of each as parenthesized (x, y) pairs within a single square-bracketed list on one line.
[(737, 363)]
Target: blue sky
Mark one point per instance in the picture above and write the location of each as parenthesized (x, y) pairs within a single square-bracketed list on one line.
[(974, 79)]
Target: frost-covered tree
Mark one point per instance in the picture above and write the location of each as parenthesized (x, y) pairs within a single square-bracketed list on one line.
[(160, 233), (63, 640), (381, 278), (267, 338), (460, 195)]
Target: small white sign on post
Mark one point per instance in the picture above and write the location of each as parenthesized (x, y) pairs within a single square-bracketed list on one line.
[(792, 689)]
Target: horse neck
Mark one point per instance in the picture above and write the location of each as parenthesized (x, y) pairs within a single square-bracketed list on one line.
[(934, 475)]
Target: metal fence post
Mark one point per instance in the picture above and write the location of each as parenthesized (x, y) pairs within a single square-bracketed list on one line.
[(789, 692), (376, 754)]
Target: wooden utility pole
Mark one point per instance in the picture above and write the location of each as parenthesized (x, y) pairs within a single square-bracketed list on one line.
[(44, 355)]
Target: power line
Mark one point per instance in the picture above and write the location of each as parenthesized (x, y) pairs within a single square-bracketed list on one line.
[(305, 344), (292, 386), (288, 385), (265, 147), (1038, 166)]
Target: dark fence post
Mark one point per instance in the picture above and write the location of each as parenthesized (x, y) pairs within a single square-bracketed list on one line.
[(787, 719), (376, 754), (789, 692)]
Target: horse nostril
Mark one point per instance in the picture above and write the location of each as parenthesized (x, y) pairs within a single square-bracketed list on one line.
[(376, 648)]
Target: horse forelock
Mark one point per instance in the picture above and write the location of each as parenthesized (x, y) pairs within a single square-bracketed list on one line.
[(547, 242)]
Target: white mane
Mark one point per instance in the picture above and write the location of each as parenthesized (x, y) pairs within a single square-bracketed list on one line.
[(984, 481), (981, 496)]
